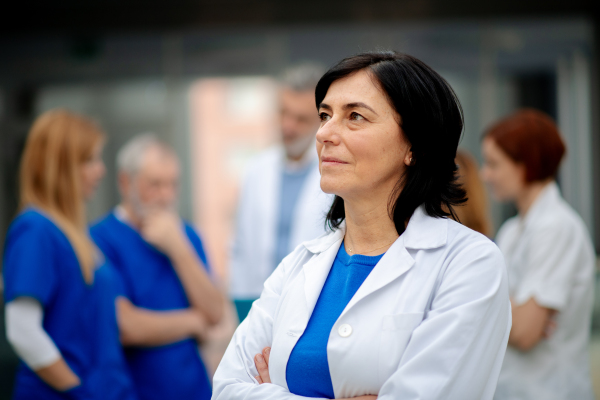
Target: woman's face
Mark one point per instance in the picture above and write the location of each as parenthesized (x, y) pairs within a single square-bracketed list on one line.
[(92, 172), (362, 150), (505, 177)]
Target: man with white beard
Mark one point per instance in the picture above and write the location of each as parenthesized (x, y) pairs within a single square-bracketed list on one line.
[(164, 269), (281, 203)]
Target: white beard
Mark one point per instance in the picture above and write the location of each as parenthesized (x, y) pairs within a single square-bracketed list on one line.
[(298, 147), (142, 210)]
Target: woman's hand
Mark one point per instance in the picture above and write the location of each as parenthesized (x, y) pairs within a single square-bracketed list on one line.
[(262, 365), (59, 375), (261, 361)]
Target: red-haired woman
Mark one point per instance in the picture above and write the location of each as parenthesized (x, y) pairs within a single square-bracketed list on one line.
[(550, 261)]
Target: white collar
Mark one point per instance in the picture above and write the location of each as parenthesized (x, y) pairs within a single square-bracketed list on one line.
[(547, 198), (422, 232), (122, 216)]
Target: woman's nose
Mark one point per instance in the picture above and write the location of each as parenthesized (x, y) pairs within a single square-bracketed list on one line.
[(328, 133)]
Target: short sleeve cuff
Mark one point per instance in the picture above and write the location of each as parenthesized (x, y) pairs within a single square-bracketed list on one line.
[(551, 297)]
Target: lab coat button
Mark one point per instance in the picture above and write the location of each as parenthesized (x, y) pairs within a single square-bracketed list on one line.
[(345, 330)]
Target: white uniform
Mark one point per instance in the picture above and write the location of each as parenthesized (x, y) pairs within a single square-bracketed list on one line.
[(253, 255), (431, 321), (550, 259)]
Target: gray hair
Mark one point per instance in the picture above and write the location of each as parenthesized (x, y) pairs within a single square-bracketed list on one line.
[(302, 77), (131, 155)]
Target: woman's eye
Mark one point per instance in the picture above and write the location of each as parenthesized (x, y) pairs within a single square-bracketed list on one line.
[(324, 117), (356, 116)]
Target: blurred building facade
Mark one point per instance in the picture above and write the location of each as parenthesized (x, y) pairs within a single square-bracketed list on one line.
[(134, 83)]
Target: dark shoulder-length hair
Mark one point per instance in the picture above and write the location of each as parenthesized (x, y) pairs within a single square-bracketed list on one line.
[(431, 120)]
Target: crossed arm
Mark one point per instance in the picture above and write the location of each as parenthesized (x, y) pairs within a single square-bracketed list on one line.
[(531, 323), (261, 361), (142, 327)]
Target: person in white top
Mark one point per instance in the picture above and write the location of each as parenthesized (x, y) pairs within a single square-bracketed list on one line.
[(281, 204), (550, 262), (398, 301)]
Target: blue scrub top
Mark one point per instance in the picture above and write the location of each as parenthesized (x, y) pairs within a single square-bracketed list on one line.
[(39, 262), (173, 371)]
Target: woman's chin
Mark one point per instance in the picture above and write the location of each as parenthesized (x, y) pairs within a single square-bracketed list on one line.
[(330, 186)]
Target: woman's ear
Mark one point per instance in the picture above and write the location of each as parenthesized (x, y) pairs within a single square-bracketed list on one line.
[(408, 158)]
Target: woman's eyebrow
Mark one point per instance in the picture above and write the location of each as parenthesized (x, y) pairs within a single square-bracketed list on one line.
[(359, 104), (348, 106)]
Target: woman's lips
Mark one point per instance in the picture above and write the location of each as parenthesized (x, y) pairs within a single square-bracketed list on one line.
[(332, 160)]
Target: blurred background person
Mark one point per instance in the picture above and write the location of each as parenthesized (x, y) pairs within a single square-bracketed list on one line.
[(164, 268), (60, 312), (281, 202), (474, 213), (550, 259)]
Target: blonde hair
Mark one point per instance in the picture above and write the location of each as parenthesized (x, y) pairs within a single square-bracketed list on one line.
[(474, 213), (58, 143)]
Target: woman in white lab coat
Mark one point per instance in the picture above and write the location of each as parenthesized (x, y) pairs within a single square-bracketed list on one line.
[(550, 262), (398, 301)]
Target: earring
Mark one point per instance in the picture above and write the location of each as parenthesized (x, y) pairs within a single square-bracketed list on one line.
[(410, 162)]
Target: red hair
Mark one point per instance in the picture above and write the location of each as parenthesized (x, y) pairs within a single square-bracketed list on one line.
[(530, 137)]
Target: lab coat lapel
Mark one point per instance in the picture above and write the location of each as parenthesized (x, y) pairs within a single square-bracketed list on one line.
[(304, 299), (392, 265), (317, 269), (422, 232)]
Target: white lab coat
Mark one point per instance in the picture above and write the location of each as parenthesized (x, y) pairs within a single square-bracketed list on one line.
[(550, 258), (431, 321), (253, 253)]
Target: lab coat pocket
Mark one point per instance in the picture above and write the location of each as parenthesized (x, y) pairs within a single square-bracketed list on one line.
[(396, 331)]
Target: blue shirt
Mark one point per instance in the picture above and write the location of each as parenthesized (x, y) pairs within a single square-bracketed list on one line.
[(292, 183), (173, 371), (39, 262), (307, 373)]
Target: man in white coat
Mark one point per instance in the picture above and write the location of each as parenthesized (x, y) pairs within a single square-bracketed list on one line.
[(281, 203)]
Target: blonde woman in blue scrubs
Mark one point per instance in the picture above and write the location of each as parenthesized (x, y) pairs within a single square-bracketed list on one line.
[(59, 293)]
